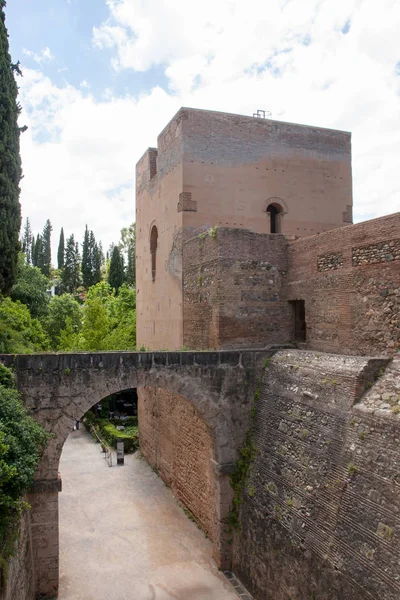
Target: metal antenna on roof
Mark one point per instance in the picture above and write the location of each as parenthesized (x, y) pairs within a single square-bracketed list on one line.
[(262, 114)]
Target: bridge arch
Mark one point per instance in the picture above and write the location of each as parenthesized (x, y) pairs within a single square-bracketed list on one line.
[(59, 389)]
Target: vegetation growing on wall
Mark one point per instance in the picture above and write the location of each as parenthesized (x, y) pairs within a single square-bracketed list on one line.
[(22, 441), (247, 454)]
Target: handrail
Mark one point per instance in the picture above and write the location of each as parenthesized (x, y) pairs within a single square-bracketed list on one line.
[(105, 447)]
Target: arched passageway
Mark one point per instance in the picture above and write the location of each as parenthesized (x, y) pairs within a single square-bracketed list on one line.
[(275, 212), (150, 543)]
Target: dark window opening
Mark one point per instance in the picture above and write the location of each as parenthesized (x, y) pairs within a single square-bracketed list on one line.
[(299, 314), (153, 250), (275, 215)]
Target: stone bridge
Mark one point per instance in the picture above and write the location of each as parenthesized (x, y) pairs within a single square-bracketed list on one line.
[(59, 389)]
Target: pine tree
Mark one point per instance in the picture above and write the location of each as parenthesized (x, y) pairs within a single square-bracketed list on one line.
[(86, 260), (10, 163), (71, 273), (116, 273), (61, 250), (46, 249), (27, 241)]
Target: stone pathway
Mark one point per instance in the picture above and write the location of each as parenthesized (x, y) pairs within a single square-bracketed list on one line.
[(123, 536)]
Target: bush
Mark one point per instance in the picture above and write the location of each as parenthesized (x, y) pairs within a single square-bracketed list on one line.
[(22, 441), (112, 435), (19, 332)]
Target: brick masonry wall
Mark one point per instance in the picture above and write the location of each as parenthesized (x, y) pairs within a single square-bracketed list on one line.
[(20, 582), (232, 282), (320, 516), (350, 281), (175, 441)]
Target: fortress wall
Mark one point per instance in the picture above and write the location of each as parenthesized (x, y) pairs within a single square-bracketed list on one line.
[(320, 516), (176, 442), (350, 281), (232, 289)]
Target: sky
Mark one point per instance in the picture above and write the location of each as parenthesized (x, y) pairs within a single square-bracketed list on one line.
[(101, 79)]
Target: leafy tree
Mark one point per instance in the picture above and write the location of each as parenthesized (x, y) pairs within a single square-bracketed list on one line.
[(31, 288), (22, 441), (46, 249), (116, 273), (19, 332), (62, 309), (71, 273), (10, 163), (27, 239), (61, 250), (109, 321)]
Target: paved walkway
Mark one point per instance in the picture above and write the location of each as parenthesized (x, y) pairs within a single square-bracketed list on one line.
[(123, 537)]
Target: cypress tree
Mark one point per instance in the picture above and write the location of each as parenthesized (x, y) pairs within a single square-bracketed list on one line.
[(37, 256), (97, 262), (116, 273), (10, 163), (61, 250), (27, 239), (86, 261), (71, 273), (46, 249)]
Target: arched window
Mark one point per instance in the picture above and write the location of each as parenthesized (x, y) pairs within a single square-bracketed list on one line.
[(153, 250), (275, 214)]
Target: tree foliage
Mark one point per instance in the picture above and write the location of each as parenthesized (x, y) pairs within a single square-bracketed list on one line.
[(71, 273), (109, 321), (128, 248), (31, 288), (19, 332), (61, 250), (22, 441), (116, 273), (10, 164), (46, 249), (27, 241), (62, 308)]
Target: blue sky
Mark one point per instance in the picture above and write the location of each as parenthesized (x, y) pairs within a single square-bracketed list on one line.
[(103, 77)]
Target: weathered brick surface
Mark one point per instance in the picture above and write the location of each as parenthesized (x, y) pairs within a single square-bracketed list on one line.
[(232, 282), (176, 441), (350, 281), (320, 513)]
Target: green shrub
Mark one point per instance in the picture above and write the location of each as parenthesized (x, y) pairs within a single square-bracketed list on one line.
[(22, 441), (112, 435)]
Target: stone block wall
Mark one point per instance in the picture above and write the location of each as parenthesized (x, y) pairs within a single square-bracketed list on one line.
[(20, 582), (320, 516), (232, 289), (349, 279)]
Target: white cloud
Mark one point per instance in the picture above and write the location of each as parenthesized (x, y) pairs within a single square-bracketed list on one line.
[(289, 57), (84, 171), (41, 57)]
